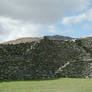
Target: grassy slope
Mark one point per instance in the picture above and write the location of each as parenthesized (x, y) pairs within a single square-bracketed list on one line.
[(58, 85)]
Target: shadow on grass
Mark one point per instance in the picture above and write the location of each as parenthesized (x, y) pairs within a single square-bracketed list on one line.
[(35, 80)]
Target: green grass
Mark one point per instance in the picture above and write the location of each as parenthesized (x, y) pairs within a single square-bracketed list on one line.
[(55, 85)]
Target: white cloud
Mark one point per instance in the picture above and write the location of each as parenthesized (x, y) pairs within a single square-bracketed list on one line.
[(86, 16), (25, 18), (11, 29), (40, 11), (53, 29), (89, 15), (74, 19)]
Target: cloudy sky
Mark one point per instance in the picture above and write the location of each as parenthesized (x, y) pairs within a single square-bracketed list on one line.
[(35, 18)]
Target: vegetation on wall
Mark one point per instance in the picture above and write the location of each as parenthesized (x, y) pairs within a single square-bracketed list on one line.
[(42, 59)]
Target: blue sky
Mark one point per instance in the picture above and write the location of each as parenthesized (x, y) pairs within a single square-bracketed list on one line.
[(77, 29), (83, 29), (36, 18)]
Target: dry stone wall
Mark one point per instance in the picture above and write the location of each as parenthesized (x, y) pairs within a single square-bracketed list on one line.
[(44, 59)]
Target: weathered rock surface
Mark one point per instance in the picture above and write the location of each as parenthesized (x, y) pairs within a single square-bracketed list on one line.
[(46, 58)]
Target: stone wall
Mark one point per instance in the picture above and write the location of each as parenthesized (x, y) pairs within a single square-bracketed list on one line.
[(40, 60), (77, 70)]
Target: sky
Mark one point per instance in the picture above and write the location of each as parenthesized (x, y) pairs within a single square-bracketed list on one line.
[(37, 18)]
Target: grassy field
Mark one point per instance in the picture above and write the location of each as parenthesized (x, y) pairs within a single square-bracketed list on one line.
[(57, 85)]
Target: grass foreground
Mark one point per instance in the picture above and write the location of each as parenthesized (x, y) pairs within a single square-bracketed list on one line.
[(54, 85)]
